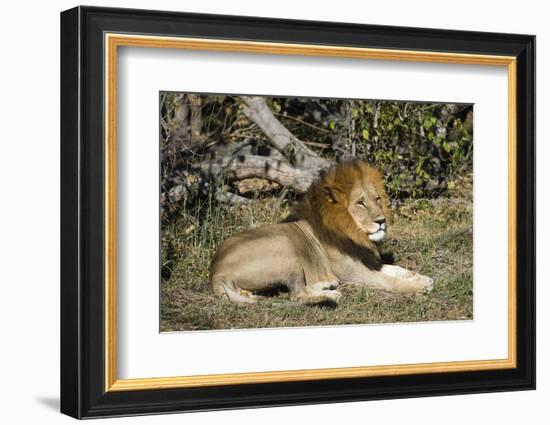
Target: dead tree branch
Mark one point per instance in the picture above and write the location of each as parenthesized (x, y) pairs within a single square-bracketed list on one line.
[(256, 109), (248, 166)]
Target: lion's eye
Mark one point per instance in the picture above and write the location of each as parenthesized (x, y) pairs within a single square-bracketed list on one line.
[(361, 204), (379, 200)]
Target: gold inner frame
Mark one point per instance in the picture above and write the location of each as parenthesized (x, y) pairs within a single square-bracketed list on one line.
[(113, 41)]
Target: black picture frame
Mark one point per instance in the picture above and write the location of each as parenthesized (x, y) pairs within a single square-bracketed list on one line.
[(83, 392)]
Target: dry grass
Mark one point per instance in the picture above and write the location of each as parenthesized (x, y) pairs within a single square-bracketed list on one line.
[(432, 237)]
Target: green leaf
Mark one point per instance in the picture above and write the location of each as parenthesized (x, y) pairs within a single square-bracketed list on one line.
[(332, 125), (365, 134), (276, 106), (427, 124)]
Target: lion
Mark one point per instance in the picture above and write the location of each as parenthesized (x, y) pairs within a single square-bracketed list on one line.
[(331, 239)]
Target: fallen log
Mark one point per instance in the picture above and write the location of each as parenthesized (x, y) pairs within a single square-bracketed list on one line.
[(248, 166)]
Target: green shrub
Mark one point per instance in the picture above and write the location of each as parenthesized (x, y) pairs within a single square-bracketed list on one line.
[(420, 147)]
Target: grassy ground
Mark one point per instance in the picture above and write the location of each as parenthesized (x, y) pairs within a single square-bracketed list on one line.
[(432, 237)]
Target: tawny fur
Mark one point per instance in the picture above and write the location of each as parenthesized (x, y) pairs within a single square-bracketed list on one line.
[(326, 242)]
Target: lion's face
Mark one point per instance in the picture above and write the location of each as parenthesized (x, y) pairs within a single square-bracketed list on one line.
[(365, 207), (350, 203)]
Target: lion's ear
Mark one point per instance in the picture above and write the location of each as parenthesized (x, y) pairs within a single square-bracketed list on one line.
[(333, 194)]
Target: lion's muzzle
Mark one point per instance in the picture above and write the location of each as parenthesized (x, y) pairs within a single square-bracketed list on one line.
[(378, 234)]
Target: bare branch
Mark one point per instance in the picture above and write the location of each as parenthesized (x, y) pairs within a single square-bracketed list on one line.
[(248, 166), (231, 198), (256, 109), (195, 120)]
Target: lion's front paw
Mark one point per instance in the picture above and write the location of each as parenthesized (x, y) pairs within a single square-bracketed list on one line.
[(426, 284), (420, 283)]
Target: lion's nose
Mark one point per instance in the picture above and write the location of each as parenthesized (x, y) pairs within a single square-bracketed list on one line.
[(380, 221)]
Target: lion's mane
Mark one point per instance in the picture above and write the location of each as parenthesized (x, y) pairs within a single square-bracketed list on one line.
[(325, 208)]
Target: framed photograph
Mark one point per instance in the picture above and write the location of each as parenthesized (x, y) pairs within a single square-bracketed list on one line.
[(260, 212)]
